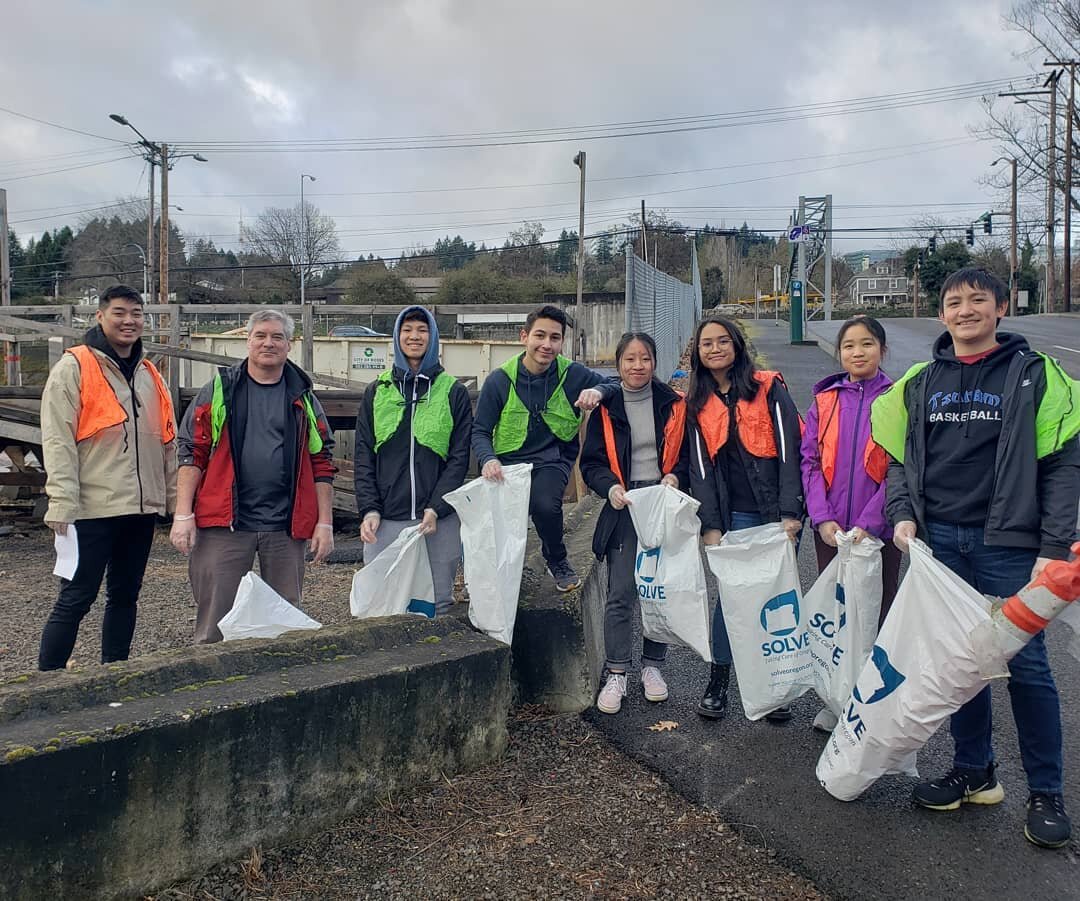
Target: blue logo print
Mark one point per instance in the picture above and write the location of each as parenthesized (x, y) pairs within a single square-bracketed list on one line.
[(780, 615), (841, 599), (647, 562), (889, 678)]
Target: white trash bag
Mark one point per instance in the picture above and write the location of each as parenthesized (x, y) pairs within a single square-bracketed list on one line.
[(925, 665), (841, 611), (397, 581), (668, 571), (494, 521), (762, 603), (260, 612)]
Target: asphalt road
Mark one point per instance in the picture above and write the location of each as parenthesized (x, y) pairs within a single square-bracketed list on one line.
[(761, 777), (910, 340)]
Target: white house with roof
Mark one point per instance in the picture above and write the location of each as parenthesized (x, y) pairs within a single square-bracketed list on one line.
[(882, 284)]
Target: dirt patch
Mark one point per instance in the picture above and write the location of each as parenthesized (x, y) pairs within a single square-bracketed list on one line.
[(563, 815), (166, 617)]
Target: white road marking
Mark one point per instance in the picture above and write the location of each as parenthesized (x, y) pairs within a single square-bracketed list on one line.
[(1071, 350)]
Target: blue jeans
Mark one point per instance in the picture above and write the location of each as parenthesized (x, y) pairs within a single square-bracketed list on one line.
[(721, 645), (1003, 571)]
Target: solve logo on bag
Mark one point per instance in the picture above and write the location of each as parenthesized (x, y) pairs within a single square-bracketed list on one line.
[(645, 570), (780, 619), (879, 683), (875, 684)]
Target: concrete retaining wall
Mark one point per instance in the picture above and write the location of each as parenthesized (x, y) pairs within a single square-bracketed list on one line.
[(559, 638), (124, 779)]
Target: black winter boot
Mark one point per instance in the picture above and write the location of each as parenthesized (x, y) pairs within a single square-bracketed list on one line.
[(714, 703)]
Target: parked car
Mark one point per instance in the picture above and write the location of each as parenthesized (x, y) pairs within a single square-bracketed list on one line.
[(355, 331)]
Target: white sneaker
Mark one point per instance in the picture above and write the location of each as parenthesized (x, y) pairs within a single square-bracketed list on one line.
[(825, 721), (653, 683), (611, 695)]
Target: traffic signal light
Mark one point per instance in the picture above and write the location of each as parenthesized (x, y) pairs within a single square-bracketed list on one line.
[(971, 236), (933, 243), (988, 224)]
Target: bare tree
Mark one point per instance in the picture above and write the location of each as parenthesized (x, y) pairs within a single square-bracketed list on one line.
[(283, 236), (1021, 131)]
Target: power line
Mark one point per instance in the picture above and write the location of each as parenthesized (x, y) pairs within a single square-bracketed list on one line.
[(762, 116), (88, 134)]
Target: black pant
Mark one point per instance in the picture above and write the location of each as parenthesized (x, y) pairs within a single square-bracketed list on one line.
[(545, 508), (120, 544)]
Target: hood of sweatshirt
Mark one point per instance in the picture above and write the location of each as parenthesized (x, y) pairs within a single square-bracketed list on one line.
[(1008, 344), (429, 366), (96, 339)]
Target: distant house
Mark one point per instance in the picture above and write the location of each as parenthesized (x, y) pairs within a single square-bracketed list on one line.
[(423, 288), (883, 284)]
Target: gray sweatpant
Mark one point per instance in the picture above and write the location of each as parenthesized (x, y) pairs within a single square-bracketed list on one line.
[(220, 560), (444, 553)]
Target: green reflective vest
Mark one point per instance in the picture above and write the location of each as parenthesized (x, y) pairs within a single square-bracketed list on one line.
[(559, 414), (217, 418), (1056, 421), (432, 421)]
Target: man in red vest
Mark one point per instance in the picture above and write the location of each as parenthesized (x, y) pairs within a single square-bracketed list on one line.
[(109, 438)]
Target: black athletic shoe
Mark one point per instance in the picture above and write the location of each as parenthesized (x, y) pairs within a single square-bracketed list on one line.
[(779, 715), (713, 704), (563, 574), (961, 786), (1048, 825)]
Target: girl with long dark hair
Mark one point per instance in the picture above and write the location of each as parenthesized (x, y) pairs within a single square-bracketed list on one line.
[(744, 433)]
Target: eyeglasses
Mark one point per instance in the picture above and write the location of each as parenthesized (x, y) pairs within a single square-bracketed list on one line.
[(716, 342)]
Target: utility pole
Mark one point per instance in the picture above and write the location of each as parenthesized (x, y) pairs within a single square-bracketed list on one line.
[(11, 356), (149, 256), (1013, 270), (644, 235), (163, 259), (56, 285), (915, 290), (579, 161), (1051, 199), (1069, 113)]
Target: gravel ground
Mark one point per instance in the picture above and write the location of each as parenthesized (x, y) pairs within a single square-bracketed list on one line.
[(166, 610), (562, 816)]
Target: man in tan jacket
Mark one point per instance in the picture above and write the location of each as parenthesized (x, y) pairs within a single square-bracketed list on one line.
[(109, 439)]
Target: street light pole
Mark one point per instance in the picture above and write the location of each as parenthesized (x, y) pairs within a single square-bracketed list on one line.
[(579, 161), (308, 354), (1013, 269), (145, 265)]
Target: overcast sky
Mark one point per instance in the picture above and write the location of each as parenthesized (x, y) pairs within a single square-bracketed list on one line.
[(244, 71)]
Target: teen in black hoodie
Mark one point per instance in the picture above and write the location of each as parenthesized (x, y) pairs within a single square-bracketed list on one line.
[(412, 447), (986, 467)]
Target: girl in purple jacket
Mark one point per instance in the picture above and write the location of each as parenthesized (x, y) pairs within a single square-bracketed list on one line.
[(843, 477)]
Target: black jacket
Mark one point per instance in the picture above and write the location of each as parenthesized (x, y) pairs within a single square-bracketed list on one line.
[(776, 481), (405, 477), (541, 447), (596, 469), (1033, 502)]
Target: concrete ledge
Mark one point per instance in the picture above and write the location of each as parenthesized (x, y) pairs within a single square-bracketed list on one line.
[(558, 638), (117, 781)]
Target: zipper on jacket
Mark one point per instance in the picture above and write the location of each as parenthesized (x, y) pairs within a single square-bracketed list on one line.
[(412, 450), (854, 453), (135, 417)]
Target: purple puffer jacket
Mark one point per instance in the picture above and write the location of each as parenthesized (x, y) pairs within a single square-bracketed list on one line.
[(854, 499)]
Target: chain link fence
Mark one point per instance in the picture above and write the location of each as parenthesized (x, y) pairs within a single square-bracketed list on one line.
[(663, 306)]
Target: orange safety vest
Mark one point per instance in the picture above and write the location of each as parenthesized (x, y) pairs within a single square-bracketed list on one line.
[(99, 407), (753, 420), (674, 430), (875, 460)]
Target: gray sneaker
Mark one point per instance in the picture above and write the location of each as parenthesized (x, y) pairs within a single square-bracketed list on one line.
[(563, 574)]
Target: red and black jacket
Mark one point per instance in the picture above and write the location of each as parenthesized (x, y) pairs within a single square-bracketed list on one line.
[(216, 500)]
